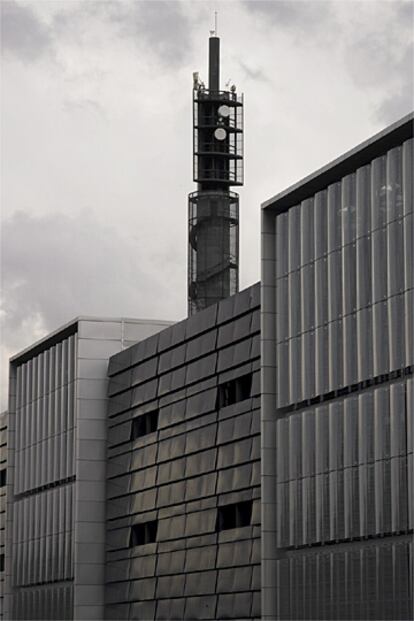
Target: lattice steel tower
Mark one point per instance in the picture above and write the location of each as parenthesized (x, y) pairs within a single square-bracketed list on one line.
[(213, 251)]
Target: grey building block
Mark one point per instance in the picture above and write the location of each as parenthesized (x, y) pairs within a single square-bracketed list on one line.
[(197, 559), (169, 609), (234, 606), (234, 579), (200, 583), (107, 330), (201, 607), (171, 563), (170, 586), (142, 610), (142, 589), (142, 567)]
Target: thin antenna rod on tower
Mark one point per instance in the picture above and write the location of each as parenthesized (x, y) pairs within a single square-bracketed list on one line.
[(215, 23)]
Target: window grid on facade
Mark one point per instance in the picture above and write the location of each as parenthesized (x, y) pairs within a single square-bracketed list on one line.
[(234, 516), (142, 534)]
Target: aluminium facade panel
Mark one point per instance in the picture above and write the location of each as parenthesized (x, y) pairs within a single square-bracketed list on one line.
[(340, 309), (203, 456), (56, 491), (3, 498)]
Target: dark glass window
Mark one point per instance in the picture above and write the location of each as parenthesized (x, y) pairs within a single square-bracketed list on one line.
[(144, 424), (234, 516), (1, 562), (143, 533), (3, 477), (235, 390)]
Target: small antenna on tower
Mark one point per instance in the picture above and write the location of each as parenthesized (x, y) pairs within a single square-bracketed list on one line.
[(213, 33)]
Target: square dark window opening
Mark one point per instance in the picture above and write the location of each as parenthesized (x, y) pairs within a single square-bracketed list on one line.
[(3, 477), (234, 516), (234, 390), (142, 534), (144, 424)]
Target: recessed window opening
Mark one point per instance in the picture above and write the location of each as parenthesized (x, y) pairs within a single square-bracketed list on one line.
[(1, 562), (3, 477), (234, 516), (143, 533), (144, 424), (234, 390)]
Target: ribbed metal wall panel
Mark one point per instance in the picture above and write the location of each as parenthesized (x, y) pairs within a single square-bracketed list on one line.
[(345, 298), (344, 392), (201, 457), (43, 529), (345, 458), (45, 419), (3, 499), (334, 583)]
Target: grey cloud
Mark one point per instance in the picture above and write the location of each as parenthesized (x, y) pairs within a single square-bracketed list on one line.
[(56, 267), (253, 73), (300, 14), (22, 34), (380, 57), (161, 26), (88, 106), (401, 101), (383, 58)]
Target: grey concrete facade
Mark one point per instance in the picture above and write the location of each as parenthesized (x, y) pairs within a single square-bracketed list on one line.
[(57, 468), (3, 483), (183, 523), (337, 388)]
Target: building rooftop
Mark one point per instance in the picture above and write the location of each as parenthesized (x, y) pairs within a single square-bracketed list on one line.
[(71, 328), (360, 155)]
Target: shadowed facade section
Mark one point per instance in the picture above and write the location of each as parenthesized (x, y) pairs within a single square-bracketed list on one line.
[(183, 509)]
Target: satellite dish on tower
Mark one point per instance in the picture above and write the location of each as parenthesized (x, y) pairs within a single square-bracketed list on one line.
[(220, 133), (224, 111)]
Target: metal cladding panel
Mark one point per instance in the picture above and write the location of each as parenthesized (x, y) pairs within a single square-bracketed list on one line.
[(42, 540), (334, 583), (341, 316), (57, 533), (3, 474), (344, 460), (352, 287), (201, 456)]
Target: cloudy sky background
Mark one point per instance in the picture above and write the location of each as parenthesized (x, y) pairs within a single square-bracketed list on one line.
[(96, 137)]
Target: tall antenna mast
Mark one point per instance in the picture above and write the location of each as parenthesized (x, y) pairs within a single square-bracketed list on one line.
[(213, 251)]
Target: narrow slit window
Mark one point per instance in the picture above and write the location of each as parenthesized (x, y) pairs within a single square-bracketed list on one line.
[(234, 390), (1, 562), (144, 424), (234, 516), (143, 533), (3, 477)]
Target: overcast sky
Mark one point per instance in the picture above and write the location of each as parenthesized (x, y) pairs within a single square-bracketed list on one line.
[(96, 136)]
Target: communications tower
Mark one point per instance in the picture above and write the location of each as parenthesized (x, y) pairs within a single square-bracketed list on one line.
[(213, 251)]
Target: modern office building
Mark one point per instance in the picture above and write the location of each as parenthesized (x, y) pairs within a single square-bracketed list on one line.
[(183, 505), (254, 460), (54, 556), (338, 388)]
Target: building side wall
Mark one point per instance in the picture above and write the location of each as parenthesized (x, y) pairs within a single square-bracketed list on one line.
[(97, 341), (3, 498), (57, 467), (343, 407), (201, 457), (42, 488)]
